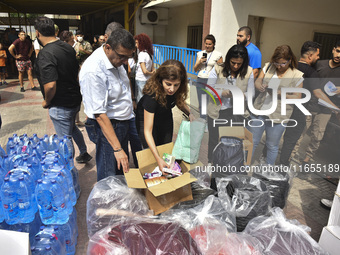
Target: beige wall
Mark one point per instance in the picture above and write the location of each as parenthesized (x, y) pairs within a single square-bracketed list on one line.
[(179, 19), (296, 20), (278, 32)]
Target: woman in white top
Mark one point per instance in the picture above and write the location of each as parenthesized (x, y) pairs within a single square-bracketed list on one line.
[(280, 72), (206, 60), (144, 68)]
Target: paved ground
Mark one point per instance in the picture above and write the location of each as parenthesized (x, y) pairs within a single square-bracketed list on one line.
[(22, 113)]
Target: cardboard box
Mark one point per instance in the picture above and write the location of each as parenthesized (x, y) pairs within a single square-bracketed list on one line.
[(163, 196), (242, 133), (330, 239), (14, 243)]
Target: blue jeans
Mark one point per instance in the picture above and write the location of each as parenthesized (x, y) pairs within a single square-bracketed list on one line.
[(105, 158), (134, 140), (139, 89), (64, 124), (273, 136), (199, 86)]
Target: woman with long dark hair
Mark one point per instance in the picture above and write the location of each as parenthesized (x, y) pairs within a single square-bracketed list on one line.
[(280, 72), (206, 60), (144, 68), (167, 88), (235, 71)]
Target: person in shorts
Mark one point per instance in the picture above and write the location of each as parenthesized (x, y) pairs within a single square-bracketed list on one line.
[(3, 57), (21, 49)]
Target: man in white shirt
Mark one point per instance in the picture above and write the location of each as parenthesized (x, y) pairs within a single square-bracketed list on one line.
[(107, 101)]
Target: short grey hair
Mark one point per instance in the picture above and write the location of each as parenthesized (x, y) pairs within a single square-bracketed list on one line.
[(111, 27), (121, 37)]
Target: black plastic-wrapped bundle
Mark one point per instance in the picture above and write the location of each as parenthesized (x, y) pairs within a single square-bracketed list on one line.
[(228, 157), (199, 194), (278, 184), (248, 195), (281, 236)]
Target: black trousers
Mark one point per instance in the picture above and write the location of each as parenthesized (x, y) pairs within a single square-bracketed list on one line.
[(292, 135)]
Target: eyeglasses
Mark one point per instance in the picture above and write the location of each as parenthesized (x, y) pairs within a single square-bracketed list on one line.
[(122, 57), (281, 64)]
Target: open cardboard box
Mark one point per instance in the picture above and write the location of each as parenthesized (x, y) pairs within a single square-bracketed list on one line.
[(242, 133), (163, 196)]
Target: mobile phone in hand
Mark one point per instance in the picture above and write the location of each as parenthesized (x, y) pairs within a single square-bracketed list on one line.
[(205, 55)]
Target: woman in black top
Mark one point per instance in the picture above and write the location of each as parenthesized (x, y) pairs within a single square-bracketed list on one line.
[(165, 89)]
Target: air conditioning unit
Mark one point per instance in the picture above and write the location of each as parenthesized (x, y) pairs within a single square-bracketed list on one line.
[(149, 16)]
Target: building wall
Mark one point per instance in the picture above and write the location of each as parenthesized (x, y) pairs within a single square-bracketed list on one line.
[(178, 19), (285, 21), (292, 33)]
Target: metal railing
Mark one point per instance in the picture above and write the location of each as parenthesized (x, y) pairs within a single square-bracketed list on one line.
[(185, 55)]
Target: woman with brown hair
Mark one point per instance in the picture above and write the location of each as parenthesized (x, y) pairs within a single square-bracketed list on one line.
[(144, 64), (280, 72), (165, 89)]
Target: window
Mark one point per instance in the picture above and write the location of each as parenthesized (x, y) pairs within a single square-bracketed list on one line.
[(195, 37), (327, 42)]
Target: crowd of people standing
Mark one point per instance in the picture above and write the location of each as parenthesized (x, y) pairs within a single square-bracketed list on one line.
[(127, 101)]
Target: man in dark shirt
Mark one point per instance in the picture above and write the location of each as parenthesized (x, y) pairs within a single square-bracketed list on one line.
[(309, 55), (21, 49), (328, 70), (57, 73)]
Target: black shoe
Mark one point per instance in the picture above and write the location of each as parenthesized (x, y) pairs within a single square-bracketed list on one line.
[(35, 88), (83, 158), (22, 89)]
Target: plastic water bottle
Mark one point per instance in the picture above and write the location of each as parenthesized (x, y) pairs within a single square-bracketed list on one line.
[(53, 142), (2, 213), (68, 141), (35, 139), (49, 251), (40, 244), (44, 199), (57, 233), (51, 202), (2, 152), (75, 178), (35, 162), (63, 149), (10, 143), (69, 178), (36, 151), (40, 148), (44, 142), (11, 150), (16, 138), (6, 163), (74, 225), (25, 202), (55, 175), (69, 238), (10, 201)]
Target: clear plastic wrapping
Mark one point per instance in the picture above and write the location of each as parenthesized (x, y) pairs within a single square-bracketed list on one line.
[(209, 223), (143, 237), (281, 236), (249, 196), (278, 183), (111, 200)]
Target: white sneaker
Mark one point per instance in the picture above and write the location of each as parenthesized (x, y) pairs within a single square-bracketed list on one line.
[(326, 203)]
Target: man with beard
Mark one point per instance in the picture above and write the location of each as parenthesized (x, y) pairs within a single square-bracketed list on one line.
[(255, 57), (309, 56), (329, 71)]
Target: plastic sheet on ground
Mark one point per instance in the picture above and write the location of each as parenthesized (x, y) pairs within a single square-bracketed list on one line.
[(249, 196), (281, 236), (209, 223), (111, 200), (188, 142), (143, 237), (277, 182)]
